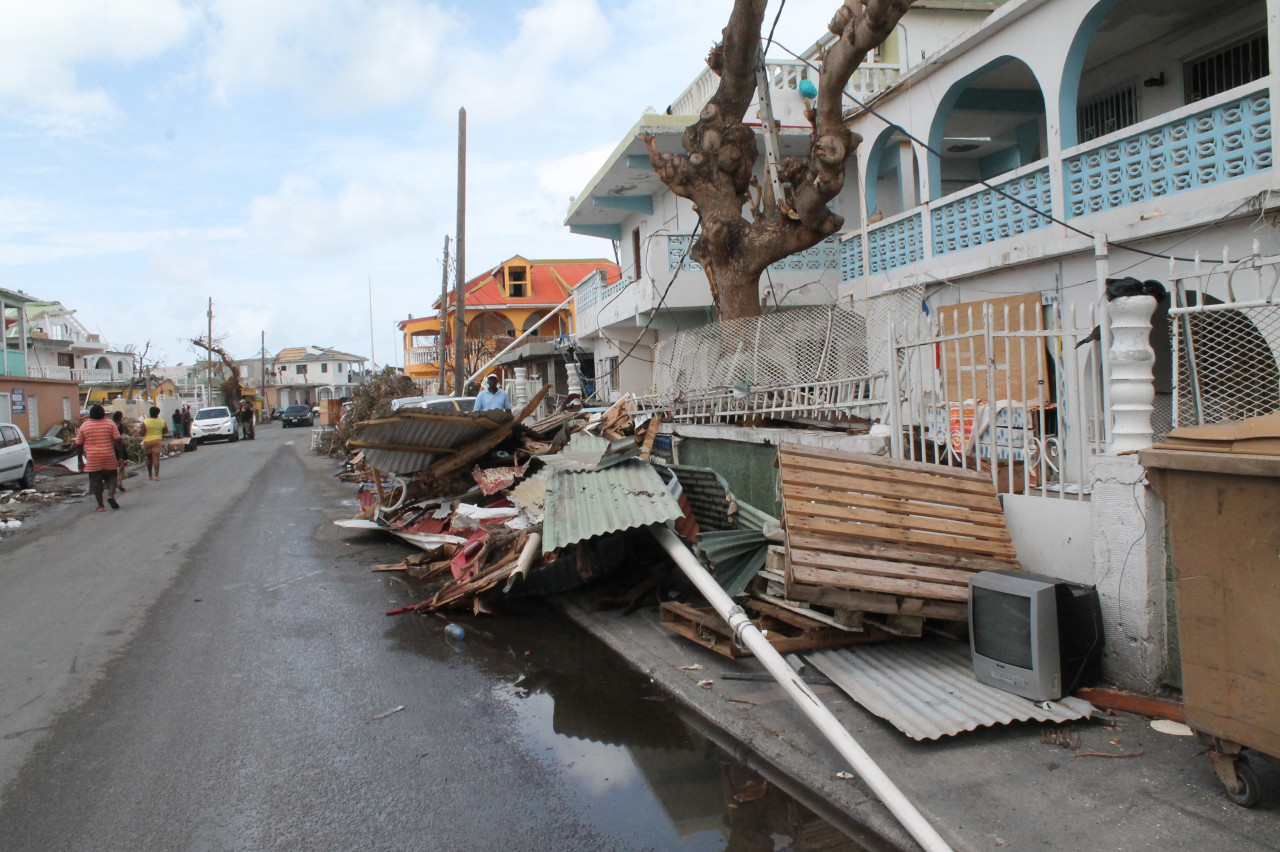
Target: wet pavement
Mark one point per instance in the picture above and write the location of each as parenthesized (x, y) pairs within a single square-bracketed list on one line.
[(210, 668)]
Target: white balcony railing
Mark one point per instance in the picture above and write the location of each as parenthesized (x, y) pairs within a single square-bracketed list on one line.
[(63, 373), (424, 355), (870, 79), (93, 376)]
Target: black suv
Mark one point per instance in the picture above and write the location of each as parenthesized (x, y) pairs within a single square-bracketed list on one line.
[(297, 415)]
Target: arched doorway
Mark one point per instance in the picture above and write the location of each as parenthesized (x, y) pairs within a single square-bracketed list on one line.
[(489, 324), (893, 175), (988, 123)]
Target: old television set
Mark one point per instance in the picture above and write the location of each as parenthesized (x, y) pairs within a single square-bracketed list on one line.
[(1031, 635)]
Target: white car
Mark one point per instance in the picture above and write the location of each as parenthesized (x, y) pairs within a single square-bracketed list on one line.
[(214, 424), (15, 457)]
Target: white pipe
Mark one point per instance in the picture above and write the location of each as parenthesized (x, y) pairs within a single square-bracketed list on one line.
[(749, 635)]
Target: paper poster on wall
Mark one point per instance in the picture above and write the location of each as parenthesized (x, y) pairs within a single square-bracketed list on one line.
[(19, 401)]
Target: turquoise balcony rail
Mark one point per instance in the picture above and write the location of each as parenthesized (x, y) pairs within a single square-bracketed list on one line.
[(986, 216), (898, 243), (1219, 143), (851, 258), (822, 257)]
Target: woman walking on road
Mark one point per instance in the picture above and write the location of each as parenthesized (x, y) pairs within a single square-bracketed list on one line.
[(96, 442), (153, 441)]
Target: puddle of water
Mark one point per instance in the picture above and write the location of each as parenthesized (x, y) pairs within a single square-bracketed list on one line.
[(634, 758)]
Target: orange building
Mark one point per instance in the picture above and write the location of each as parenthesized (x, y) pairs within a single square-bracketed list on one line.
[(501, 304)]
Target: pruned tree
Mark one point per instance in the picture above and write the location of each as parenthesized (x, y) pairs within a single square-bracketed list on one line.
[(231, 388), (741, 234)]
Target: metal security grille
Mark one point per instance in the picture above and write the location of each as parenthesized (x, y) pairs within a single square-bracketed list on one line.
[(1108, 112), (1227, 352), (1240, 63), (809, 362)]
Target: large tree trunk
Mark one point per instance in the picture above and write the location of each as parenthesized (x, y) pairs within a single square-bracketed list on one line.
[(741, 234)]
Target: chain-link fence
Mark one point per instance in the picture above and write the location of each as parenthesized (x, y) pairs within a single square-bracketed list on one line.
[(1225, 330), (809, 362)]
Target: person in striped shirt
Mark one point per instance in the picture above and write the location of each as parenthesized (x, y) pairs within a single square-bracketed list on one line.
[(96, 443)]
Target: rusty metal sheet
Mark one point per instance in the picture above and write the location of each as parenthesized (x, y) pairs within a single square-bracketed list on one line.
[(494, 479), (431, 431), (584, 504), (927, 689)]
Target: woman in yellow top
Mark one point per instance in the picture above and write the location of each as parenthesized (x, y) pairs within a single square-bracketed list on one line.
[(153, 439)]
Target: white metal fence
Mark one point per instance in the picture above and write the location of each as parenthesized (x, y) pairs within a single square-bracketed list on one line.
[(807, 363), (987, 382), (1225, 327)]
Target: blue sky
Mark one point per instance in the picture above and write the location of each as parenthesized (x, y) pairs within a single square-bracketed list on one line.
[(277, 155)]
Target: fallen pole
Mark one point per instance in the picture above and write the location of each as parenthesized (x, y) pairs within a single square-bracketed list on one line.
[(749, 635)]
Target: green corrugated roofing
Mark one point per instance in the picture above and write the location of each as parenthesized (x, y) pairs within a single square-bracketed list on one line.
[(585, 504)]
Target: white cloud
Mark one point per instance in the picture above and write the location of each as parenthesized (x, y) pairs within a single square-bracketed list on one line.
[(300, 220), (43, 44), (565, 177), (346, 53)]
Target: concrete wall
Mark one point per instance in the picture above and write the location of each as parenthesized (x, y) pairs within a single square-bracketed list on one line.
[(48, 401)]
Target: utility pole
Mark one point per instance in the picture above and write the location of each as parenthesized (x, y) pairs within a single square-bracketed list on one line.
[(460, 277), (444, 303), (209, 389), (262, 393), (372, 363)]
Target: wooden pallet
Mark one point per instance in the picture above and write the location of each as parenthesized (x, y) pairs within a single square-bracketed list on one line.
[(889, 528), (788, 632)]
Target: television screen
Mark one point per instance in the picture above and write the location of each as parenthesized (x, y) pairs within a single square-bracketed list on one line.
[(1005, 622)]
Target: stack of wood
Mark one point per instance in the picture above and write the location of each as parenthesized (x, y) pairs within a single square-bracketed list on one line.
[(897, 539)]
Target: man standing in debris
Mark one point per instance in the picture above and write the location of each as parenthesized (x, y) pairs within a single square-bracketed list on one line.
[(492, 398), (96, 442)]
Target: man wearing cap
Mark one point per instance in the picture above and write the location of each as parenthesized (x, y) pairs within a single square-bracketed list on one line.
[(492, 398)]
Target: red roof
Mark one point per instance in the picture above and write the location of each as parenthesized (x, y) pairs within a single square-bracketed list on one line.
[(551, 282)]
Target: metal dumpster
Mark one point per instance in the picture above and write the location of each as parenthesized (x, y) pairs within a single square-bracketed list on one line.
[(1223, 517)]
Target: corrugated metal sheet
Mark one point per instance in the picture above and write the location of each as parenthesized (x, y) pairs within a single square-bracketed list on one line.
[(581, 453), (423, 429), (927, 689), (531, 494), (584, 504), (708, 496)]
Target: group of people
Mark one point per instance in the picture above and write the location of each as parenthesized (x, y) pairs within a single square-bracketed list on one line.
[(101, 451), (182, 418)]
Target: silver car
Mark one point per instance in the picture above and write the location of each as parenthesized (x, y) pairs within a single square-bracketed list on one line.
[(215, 423), (15, 457)]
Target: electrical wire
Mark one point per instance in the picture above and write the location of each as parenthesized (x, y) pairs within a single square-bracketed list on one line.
[(980, 181), (769, 41), (662, 299)]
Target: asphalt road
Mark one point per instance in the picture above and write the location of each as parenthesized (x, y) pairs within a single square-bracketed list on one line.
[(205, 668)]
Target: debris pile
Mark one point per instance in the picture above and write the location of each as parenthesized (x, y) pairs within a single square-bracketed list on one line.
[(503, 506)]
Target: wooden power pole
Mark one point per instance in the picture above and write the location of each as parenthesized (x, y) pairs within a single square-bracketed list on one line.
[(444, 313), (460, 278)]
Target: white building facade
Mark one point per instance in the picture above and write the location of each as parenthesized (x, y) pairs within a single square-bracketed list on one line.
[(1000, 184)]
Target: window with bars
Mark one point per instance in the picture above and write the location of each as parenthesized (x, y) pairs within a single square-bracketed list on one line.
[(1107, 112), (1234, 65)]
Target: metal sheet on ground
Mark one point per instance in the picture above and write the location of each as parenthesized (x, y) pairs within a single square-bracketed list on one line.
[(927, 689)]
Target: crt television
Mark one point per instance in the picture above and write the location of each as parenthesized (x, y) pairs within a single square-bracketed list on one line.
[(1031, 635)]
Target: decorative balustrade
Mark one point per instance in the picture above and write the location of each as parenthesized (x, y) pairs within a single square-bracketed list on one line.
[(62, 373), (985, 215), (870, 79), (896, 243), (825, 255), (1229, 140), (424, 355), (93, 376)]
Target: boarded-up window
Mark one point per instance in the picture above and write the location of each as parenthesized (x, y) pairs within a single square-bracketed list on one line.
[(1020, 371)]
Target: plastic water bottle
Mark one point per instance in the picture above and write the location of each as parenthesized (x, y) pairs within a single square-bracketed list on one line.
[(454, 631)]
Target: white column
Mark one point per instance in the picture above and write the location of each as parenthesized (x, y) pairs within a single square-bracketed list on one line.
[(574, 375), (520, 388), (1132, 358), (907, 175)]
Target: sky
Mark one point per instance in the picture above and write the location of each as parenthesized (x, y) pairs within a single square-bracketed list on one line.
[(296, 160)]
